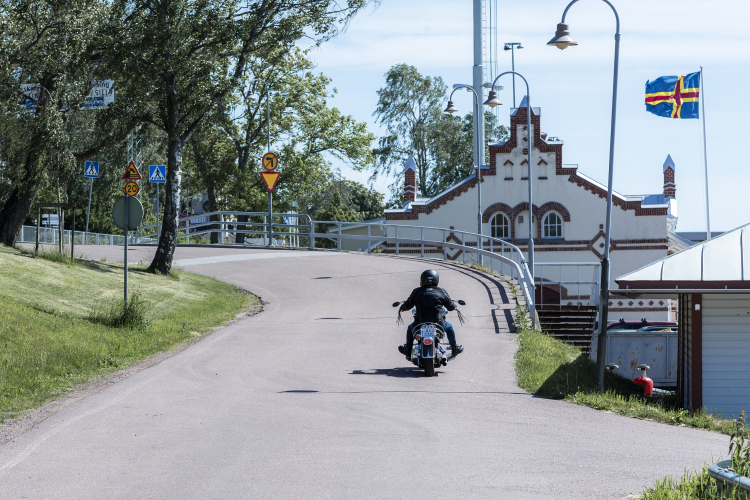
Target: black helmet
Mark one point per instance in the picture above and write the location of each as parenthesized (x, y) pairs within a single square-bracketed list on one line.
[(429, 278)]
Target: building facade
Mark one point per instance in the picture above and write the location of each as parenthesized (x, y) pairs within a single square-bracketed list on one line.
[(568, 213)]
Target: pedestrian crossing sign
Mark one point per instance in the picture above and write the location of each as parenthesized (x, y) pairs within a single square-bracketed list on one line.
[(157, 174), (131, 173), (91, 170)]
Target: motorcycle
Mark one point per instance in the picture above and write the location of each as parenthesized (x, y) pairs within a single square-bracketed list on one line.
[(428, 352)]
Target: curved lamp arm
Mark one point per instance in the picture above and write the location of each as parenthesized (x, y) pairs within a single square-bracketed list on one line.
[(617, 17), (514, 73)]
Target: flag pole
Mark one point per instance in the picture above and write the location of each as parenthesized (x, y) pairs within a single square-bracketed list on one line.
[(705, 155)]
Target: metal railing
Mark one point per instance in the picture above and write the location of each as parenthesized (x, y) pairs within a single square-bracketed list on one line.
[(568, 275), (51, 235)]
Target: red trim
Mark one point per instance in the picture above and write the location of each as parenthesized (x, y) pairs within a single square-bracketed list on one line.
[(697, 350)]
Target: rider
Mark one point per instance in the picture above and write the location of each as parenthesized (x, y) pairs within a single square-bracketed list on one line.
[(429, 299)]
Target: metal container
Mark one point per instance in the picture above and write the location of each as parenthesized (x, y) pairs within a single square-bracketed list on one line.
[(630, 348)]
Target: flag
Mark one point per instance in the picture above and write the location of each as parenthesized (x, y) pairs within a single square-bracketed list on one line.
[(674, 96)]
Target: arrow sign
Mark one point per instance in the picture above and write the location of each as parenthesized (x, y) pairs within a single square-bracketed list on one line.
[(270, 179), (131, 173), (157, 174), (91, 170), (270, 161)]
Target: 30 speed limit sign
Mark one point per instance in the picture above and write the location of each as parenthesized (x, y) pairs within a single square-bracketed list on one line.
[(132, 188)]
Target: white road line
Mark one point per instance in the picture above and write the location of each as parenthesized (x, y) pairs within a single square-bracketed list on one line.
[(247, 256)]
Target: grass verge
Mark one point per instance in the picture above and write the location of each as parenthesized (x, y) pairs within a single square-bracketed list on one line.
[(62, 324)]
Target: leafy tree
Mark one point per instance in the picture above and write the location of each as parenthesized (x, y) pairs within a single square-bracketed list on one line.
[(50, 45), (305, 133), (179, 58), (410, 107)]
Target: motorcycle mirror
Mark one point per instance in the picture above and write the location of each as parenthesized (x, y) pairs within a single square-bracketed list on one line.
[(462, 302), (396, 304)]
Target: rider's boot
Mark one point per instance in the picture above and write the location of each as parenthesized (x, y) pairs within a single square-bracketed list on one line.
[(456, 350), (403, 350)]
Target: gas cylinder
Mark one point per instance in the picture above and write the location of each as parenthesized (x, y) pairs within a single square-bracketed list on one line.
[(647, 383)]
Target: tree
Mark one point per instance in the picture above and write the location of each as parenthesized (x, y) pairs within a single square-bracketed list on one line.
[(305, 133), (410, 106), (406, 106), (179, 58), (49, 45)]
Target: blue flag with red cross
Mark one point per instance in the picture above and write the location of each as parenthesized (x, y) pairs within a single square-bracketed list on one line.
[(674, 96)]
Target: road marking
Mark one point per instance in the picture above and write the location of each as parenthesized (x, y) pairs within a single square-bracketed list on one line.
[(247, 256)]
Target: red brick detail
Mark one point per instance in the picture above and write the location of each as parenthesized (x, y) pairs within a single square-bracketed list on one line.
[(670, 188), (542, 162), (410, 185), (507, 162), (495, 208), (557, 207)]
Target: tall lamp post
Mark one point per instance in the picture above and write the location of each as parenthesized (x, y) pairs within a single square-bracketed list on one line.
[(512, 46), (562, 40), (253, 97), (477, 157), (493, 101)]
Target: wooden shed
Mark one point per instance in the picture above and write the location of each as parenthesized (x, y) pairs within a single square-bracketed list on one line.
[(712, 283)]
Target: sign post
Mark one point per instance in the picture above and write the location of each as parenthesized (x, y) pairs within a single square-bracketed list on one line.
[(90, 171), (157, 175), (131, 175), (270, 178)]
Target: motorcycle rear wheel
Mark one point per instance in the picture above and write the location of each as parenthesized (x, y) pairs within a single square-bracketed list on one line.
[(429, 366)]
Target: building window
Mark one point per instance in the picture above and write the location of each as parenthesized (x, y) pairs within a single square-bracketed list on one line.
[(499, 226), (552, 226)]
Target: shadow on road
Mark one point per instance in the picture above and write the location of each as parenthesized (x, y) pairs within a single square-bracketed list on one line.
[(408, 372)]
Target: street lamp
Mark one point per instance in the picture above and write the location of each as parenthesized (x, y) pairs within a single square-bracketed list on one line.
[(512, 46), (477, 144), (562, 40), (492, 101), (252, 97)]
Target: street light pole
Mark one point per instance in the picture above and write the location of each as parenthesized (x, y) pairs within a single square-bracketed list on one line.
[(478, 146), (493, 101), (563, 40), (511, 46)]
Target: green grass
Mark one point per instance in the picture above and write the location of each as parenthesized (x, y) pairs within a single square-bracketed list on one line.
[(550, 368), (56, 321)]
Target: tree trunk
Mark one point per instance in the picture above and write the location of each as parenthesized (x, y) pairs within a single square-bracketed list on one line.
[(212, 203), (162, 262), (15, 211)]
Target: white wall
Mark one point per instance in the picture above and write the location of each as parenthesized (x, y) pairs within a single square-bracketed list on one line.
[(726, 353)]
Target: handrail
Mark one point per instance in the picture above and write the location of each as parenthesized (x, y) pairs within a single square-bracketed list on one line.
[(489, 246)]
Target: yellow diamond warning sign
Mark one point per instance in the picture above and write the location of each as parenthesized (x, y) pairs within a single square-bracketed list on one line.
[(131, 173)]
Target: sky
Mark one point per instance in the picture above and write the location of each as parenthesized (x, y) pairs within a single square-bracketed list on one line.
[(574, 87)]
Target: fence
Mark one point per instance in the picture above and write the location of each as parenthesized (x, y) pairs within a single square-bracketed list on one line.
[(50, 235), (556, 281), (256, 228)]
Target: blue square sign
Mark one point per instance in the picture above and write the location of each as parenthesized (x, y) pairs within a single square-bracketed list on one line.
[(157, 174), (91, 170)]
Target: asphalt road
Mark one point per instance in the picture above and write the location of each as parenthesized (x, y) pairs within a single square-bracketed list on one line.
[(310, 399)]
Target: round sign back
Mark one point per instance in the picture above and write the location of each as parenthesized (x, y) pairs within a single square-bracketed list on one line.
[(135, 213)]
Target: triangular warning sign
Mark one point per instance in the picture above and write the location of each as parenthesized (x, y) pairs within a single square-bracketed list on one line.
[(270, 179), (131, 173)]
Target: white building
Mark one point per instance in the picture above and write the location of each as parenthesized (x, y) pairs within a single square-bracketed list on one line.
[(570, 206)]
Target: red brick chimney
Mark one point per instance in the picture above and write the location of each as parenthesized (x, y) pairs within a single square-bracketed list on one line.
[(670, 188), (410, 180)]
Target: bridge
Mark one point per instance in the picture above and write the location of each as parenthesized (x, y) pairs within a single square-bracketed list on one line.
[(310, 399)]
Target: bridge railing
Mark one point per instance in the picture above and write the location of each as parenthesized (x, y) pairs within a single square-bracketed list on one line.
[(447, 244)]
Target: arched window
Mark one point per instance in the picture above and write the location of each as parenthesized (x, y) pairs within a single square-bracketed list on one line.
[(499, 226), (552, 226)]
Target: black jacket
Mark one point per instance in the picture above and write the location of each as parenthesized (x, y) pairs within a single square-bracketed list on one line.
[(429, 301)]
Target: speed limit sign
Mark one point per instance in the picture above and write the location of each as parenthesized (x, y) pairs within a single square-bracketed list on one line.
[(132, 188)]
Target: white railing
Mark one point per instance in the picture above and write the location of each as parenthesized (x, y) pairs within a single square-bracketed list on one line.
[(565, 276), (51, 235)]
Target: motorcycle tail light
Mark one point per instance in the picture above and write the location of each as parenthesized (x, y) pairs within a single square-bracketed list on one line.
[(427, 341)]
